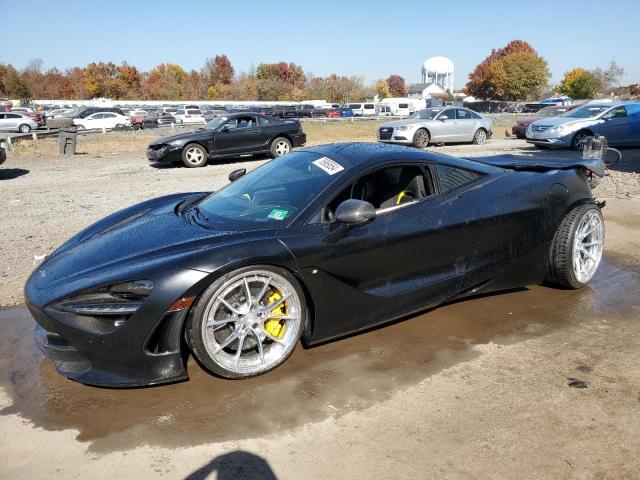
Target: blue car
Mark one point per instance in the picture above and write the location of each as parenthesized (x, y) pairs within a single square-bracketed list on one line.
[(619, 123), (345, 112)]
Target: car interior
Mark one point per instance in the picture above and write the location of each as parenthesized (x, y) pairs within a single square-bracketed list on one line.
[(384, 189), (241, 122)]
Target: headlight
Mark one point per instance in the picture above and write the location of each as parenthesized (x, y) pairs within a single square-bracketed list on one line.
[(177, 143), (114, 300), (562, 129)]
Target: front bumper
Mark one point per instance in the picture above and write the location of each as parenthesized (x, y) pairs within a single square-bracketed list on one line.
[(166, 154), (396, 136), (145, 349), (519, 131)]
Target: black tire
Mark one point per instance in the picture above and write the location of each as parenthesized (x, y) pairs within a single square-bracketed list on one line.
[(421, 138), (280, 146), (194, 155), (480, 137), (561, 271), (24, 128), (578, 138), (120, 125), (193, 327), (80, 127)]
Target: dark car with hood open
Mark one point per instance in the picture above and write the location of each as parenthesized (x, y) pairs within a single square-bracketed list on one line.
[(229, 135)]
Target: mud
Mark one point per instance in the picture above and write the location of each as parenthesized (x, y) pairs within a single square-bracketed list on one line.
[(329, 380)]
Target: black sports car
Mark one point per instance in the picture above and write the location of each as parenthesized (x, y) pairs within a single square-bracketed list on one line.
[(317, 244), (229, 135)]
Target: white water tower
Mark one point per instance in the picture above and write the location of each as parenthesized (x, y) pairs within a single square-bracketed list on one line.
[(438, 70)]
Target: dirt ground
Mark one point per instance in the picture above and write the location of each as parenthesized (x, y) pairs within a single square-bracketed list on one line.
[(474, 389)]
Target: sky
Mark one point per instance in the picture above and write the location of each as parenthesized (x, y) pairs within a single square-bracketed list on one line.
[(373, 39)]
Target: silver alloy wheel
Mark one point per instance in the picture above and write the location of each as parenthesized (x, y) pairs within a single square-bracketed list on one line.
[(481, 137), (282, 148), (194, 155), (238, 330), (421, 138), (25, 128), (588, 243)]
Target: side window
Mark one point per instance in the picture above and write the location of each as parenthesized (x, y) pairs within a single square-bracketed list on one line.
[(449, 113), (452, 177), (264, 121), (384, 189), (96, 116), (462, 114), (616, 112)]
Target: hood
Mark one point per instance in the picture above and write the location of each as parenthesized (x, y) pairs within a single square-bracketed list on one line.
[(400, 123), (144, 232), (187, 136), (553, 121)]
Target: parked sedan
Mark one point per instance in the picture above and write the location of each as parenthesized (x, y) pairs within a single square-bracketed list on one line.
[(520, 128), (102, 120), (314, 245), (437, 125), (17, 122), (618, 123), (229, 135)]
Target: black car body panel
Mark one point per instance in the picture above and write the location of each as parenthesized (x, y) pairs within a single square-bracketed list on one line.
[(219, 143), (491, 233)]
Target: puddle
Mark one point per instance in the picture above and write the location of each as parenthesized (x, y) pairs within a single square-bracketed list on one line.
[(313, 384)]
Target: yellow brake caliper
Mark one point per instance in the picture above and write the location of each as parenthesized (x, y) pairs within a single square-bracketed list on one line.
[(275, 326)]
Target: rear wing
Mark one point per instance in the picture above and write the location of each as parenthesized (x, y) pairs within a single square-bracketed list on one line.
[(522, 163)]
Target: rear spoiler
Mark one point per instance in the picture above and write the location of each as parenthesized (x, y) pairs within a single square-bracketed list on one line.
[(517, 162)]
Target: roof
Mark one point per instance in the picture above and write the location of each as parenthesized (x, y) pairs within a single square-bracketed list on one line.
[(357, 154)]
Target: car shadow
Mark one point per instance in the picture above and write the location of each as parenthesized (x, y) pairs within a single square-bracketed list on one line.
[(236, 465), (210, 163), (11, 173)]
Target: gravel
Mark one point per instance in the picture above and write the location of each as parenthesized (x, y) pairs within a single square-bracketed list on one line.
[(46, 199)]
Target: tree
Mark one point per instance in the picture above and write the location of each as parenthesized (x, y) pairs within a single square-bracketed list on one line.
[(518, 76), (280, 81), (382, 89), (610, 77), (99, 78), (579, 83), (164, 82), (479, 84), (218, 70), (11, 83), (397, 87)]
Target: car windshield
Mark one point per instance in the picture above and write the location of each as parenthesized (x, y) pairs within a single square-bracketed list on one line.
[(587, 111), (549, 112), (272, 195), (215, 123), (426, 114)]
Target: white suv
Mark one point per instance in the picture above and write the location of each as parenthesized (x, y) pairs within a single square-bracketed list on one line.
[(189, 115)]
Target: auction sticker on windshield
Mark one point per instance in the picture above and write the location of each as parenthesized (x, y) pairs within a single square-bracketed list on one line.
[(328, 165), (277, 214)]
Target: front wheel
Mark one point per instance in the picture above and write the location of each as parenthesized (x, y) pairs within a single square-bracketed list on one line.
[(421, 138), (577, 247), (80, 127), (480, 137), (24, 128), (247, 322), (280, 146), (578, 140), (194, 155)]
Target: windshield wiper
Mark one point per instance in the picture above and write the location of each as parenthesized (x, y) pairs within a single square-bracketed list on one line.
[(198, 209)]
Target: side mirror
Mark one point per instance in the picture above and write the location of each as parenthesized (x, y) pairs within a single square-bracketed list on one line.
[(236, 174), (355, 212), (442, 118)]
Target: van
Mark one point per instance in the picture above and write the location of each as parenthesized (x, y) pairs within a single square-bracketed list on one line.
[(384, 110), (356, 108), (368, 109)]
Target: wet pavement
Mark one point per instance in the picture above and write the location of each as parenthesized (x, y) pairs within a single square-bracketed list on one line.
[(315, 383)]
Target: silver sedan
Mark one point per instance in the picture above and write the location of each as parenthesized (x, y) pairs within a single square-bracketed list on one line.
[(437, 125), (17, 122)]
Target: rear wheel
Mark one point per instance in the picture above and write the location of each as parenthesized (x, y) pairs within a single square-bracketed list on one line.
[(280, 146), (480, 137), (247, 322), (24, 128), (421, 138), (577, 247), (194, 155)]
